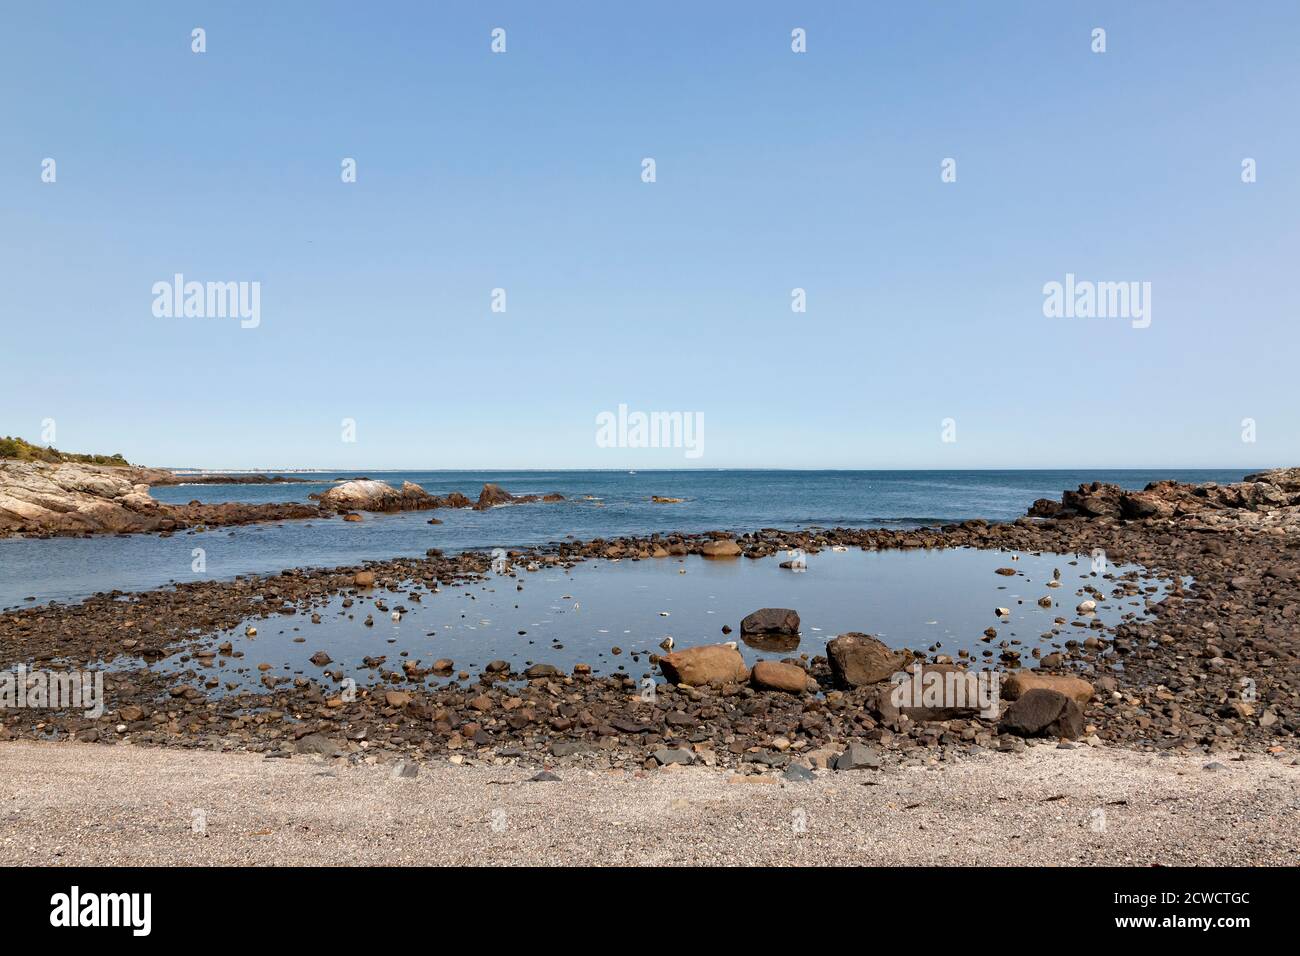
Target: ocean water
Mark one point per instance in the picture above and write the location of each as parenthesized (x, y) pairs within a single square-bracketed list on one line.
[(599, 504)]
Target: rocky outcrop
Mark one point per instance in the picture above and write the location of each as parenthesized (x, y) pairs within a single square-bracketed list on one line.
[(491, 496), (159, 477), (73, 499), (366, 494), (43, 498), (1260, 500)]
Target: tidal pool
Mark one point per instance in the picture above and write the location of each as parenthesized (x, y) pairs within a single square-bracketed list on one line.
[(613, 614)]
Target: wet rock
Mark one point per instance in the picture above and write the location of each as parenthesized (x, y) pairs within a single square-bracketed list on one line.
[(723, 548), (491, 496), (770, 620)]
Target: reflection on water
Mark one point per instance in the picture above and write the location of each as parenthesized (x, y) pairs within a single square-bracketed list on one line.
[(612, 614)]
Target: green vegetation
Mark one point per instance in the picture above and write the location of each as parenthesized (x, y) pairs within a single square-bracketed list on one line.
[(26, 451)]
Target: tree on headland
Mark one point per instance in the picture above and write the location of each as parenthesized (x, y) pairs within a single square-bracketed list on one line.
[(21, 450)]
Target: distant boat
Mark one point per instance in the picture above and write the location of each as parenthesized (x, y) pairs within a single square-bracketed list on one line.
[(631, 472)]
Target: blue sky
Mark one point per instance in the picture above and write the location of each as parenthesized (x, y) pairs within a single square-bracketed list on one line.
[(775, 170)]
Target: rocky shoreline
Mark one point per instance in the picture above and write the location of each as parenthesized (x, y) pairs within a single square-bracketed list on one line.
[(38, 500), (1217, 669)]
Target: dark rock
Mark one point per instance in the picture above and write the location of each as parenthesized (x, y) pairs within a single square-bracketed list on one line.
[(1043, 713), (771, 620)]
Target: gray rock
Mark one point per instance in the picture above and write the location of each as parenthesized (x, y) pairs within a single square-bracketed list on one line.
[(858, 757), (797, 773), (664, 756)]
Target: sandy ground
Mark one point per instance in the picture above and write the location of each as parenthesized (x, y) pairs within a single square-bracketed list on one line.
[(91, 804)]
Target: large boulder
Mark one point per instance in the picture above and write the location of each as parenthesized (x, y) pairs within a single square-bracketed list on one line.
[(858, 660), (770, 620), (1019, 683), (709, 664), (773, 675), (722, 548), (1043, 713), (366, 494)]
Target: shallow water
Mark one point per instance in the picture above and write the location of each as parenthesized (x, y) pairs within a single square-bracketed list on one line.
[(70, 569), (909, 599)]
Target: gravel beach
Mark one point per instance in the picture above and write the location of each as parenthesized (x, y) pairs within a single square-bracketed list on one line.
[(82, 804)]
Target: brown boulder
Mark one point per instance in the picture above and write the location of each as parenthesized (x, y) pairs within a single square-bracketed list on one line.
[(724, 548), (710, 664), (772, 675), (859, 659), (1017, 684)]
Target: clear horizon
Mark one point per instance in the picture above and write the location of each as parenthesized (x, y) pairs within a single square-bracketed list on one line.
[(822, 171)]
